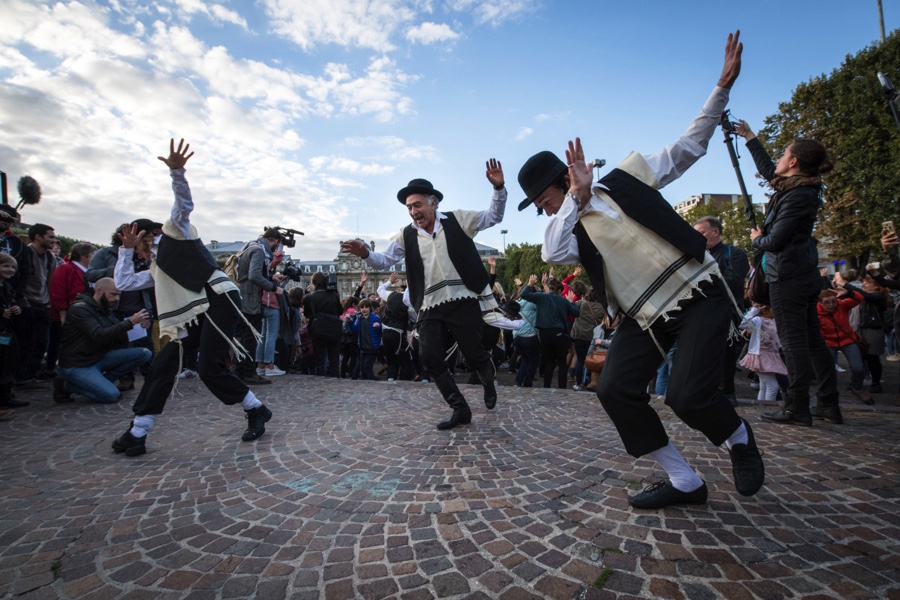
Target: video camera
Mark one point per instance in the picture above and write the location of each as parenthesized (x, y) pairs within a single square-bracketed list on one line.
[(291, 271), (287, 235)]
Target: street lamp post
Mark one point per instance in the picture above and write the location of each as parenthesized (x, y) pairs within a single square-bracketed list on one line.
[(503, 232)]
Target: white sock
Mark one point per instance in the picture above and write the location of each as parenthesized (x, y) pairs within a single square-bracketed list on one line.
[(681, 475), (142, 425), (250, 401), (738, 437)]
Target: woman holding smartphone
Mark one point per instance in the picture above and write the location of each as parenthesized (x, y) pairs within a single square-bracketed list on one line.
[(790, 263)]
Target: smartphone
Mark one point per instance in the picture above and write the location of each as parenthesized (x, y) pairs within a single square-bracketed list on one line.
[(888, 227)]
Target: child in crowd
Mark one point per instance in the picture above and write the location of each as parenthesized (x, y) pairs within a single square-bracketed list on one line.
[(8, 348), (367, 327), (763, 356)]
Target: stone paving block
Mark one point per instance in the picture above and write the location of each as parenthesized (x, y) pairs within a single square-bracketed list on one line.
[(528, 501)]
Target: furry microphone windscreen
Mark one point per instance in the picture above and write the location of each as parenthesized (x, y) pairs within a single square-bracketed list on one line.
[(29, 190)]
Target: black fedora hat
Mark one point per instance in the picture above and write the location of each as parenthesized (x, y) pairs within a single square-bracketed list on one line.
[(418, 186), (538, 173), (512, 308), (146, 225)]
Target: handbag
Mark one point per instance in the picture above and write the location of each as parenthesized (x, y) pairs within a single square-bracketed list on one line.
[(757, 286), (595, 361)]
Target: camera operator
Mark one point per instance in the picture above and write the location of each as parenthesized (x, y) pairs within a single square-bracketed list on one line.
[(791, 259), (271, 319), (254, 279), (322, 308)]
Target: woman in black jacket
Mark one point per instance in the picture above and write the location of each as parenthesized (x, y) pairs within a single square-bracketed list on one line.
[(790, 262)]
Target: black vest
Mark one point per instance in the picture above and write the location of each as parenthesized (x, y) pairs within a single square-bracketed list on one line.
[(188, 262), (647, 207), (463, 255)]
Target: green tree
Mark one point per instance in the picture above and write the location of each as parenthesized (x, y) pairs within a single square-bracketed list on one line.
[(847, 112), (524, 260)]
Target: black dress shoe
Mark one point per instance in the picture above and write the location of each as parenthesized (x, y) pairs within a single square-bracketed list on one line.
[(60, 394), (663, 493), (126, 383), (256, 379), (462, 415), (789, 417), (747, 465), (829, 414), (256, 422), (130, 445)]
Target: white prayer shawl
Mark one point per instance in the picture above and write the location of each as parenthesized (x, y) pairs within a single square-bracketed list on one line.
[(442, 281), (645, 275), (179, 307)]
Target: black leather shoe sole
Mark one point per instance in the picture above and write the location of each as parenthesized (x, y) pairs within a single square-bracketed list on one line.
[(663, 493)]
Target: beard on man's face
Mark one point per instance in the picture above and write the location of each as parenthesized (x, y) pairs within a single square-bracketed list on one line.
[(106, 304)]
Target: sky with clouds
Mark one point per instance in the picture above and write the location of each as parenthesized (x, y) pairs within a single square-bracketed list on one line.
[(311, 114)]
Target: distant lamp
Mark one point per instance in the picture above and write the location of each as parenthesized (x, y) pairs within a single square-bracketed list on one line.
[(503, 232)]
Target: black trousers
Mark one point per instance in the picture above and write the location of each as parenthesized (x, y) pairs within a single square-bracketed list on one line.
[(211, 364), (32, 328), (555, 344), (460, 319), (328, 356), (693, 392), (794, 306), (397, 354), (529, 349)]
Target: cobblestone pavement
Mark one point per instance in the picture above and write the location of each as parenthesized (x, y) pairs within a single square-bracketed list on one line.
[(352, 493)]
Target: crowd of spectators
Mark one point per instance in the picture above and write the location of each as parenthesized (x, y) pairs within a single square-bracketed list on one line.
[(63, 319)]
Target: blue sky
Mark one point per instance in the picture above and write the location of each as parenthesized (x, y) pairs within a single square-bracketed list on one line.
[(312, 114)]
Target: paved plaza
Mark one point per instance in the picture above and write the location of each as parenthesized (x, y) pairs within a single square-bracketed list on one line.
[(352, 493)]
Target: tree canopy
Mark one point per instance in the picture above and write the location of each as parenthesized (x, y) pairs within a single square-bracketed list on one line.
[(848, 113)]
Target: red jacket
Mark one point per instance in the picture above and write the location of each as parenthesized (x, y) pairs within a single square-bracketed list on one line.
[(66, 283), (835, 326)]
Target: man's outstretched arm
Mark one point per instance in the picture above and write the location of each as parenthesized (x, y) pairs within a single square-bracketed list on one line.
[(672, 161)]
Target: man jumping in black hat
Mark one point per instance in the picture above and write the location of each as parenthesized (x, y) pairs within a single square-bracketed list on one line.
[(646, 262), (448, 285)]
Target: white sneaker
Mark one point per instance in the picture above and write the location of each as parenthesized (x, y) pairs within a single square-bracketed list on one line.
[(423, 381), (839, 368), (188, 374), (893, 357), (390, 378), (260, 371), (274, 372)]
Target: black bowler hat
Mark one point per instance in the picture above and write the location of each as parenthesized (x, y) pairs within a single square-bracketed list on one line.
[(146, 225), (538, 173), (418, 186), (512, 308)]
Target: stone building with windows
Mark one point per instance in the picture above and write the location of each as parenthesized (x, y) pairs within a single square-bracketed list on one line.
[(347, 267)]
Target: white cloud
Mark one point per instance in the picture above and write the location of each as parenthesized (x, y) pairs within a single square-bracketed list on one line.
[(215, 12), (88, 113), (524, 133), (348, 23), (429, 33), (495, 12), (348, 165)]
